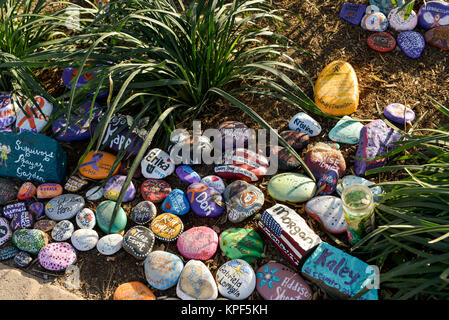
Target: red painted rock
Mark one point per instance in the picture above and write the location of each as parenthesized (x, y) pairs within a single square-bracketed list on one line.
[(297, 140), (26, 191), (243, 164), (155, 190), (49, 190), (199, 243), (381, 41), (97, 165), (134, 290), (321, 158), (438, 37)]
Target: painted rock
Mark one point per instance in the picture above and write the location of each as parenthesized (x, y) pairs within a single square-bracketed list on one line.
[(198, 243), (69, 75), (236, 280), (205, 201), (8, 109), (57, 256), (242, 200), (125, 169), (8, 191), (189, 148), (143, 212), (438, 37), (5, 231), (274, 281), (74, 184), (433, 14), (8, 253), (286, 160), (30, 240), (23, 259), (215, 182), (64, 207), (176, 203), (241, 243), (291, 187), (97, 165), (23, 220), (133, 290), (303, 123), (187, 174), (26, 191), (114, 186), (49, 190), (337, 89), (44, 225), (350, 180), (375, 21), (84, 239), (385, 6), (157, 164), (412, 43), (297, 140), (62, 231), (155, 190), (110, 244), (94, 193), (104, 215), (338, 273), (138, 242), (346, 131), (13, 209), (85, 219), (399, 113), (328, 183), (375, 139), (381, 41), (179, 135), (196, 282), (167, 227), (235, 135), (320, 158), (31, 118), (243, 164), (162, 269), (397, 20), (36, 209), (352, 12), (327, 210)]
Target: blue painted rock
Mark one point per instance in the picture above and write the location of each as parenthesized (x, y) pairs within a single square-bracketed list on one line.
[(162, 269), (352, 12), (8, 191), (438, 37), (198, 243), (104, 215), (138, 242), (375, 139), (110, 244), (433, 14), (196, 282), (399, 113), (375, 21), (381, 42), (75, 184), (30, 240), (45, 225), (23, 259), (398, 22), (31, 118), (36, 209), (328, 211), (94, 193), (346, 131), (328, 183), (242, 200), (64, 207), (236, 279), (22, 149), (143, 212), (176, 203), (155, 190), (205, 201), (339, 273), (68, 78), (167, 227), (62, 231), (243, 164), (84, 239), (285, 159), (188, 149), (303, 123), (8, 109), (215, 182), (8, 253), (5, 231), (97, 165), (114, 186), (350, 180), (187, 174), (235, 135), (320, 158), (57, 256), (157, 164), (23, 220), (49, 190), (291, 187), (297, 140), (26, 191), (11, 210), (241, 243), (412, 43), (385, 6)]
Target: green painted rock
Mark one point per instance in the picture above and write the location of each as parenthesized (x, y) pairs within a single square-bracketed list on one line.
[(291, 187), (32, 157), (241, 243), (30, 240), (104, 215)]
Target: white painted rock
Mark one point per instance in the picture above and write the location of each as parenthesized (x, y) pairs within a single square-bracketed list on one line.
[(85, 219), (236, 279), (328, 210), (34, 123), (157, 164), (196, 282), (304, 123), (110, 244), (349, 180), (5, 231), (64, 207), (162, 269), (62, 231), (84, 239), (94, 193)]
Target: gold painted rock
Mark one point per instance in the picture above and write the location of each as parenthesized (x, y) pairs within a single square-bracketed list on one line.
[(133, 290), (97, 165)]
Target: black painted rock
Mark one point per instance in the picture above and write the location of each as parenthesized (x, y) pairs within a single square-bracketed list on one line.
[(23, 259), (8, 253), (138, 241), (8, 191)]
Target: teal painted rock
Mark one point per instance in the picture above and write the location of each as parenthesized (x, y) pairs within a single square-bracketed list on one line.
[(291, 187), (338, 273), (32, 157), (349, 180), (30, 240), (241, 243), (104, 215), (346, 131)]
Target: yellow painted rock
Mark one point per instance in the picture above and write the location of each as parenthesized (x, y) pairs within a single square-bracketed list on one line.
[(337, 89), (134, 290), (97, 165), (167, 227)]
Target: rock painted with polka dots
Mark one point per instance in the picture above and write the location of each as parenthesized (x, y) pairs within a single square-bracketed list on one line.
[(215, 182), (5, 231), (138, 242), (133, 290), (85, 219), (412, 43), (350, 180), (110, 244), (196, 282), (155, 190), (143, 212), (328, 210), (198, 243), (114, 186), (167, 227), (236, 279), (162, 269), (57, 256), (62, 231), (30, 240), (84, 239), (241, 243), (398, 21)]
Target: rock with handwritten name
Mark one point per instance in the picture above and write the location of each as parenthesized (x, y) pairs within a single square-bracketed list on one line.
[(57, 256), (236, 279), (167, 227), (242, 200), (104, 213), (320, 158), (94, 193), (22, 220), (8, 191), (176, 203), (205, 201), (64, 207), (8, 109), (352, 12), (26, 191), (198, 243), (196, 282), (235, 134), (433, 14), (84, 239), (133, 290), (32, 118), (75, 184), (36, 209), (412, 43), (30, 240), (243, 164), (62, 231), (143, 212), (49, 190), (45, 225), (114, 186), (346, 130), (23, 259), (138, 242), (5, 231), (162, 269), (187, 175), (303, 123), (97, 165), (438, 37), (291, 187), (157, 164), (8, 252), (110, 244), (327, 210), (155, 190), (215, 182), (13, 209), (241, 243)]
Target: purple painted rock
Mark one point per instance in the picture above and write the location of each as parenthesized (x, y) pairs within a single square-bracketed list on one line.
[(412, 43), (438, 37), (68, 78), (321, 158), (11, 210), (352, 12), (114, 186), (8, 110), (143, 212), (433, 14), (397, 20), (187, 174), (375, 139), (298, 140), (155, 190), (399, 113), (8, 191), (199, 243), (215, 182), (36, 209), (176, 203), (328, 183), (235, 135), (327, 210), (23, 220), (57, 256), (381, 41), (23, 259), (5, 231), (278, 282), (205, 201), (242, 200)]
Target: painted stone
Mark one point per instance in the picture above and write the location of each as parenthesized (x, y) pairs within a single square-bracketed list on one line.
[(176, 203), (19, 150), (196, 282), (205, 201), (433, 14), (215, 182), (97, 165), (49, 190), (438, 37), (133, 290), (339, 273), (8, 109), (157, 164), (26, 191), (84, 239), (8, 191), (85, 219), (241, 243), (114, 186), (155, 190), (162, 269), (375, 21), (64, 207), (167, 227), (412, 43), (187, 174), (57, 256), (350, 180), (31, 118), (346, 131), (13, 209), (303, 123), (5, 231), (297, 140), (198, 243), (352, 12), (74, 184), (385, 6), (23, 259), (286, 160), (23, 220), (68, 78), (110, 244), (189, 148), (104, 215), (320, 158), (143, 212), (242, 200), (274, 281), (62, 231), (328, 183), (94, 193), (44, 225), (381, 42), (399, 113), (235, 135), (328, 211), (30, 240), (125, 169), (8, 253), (337, 89), (397, 20), (36, 209), (243, 164), (138, 242), (236, 280), (291, 187), (376, 138)]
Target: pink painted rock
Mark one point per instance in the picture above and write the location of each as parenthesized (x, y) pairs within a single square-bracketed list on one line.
[(57, 256), (321, 158), (327, 210), (199, 243), (49, 190), (26, 191), (243, 164)]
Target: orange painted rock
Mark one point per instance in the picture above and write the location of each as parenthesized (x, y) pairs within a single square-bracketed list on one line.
[(134, 290), (97, 165), (438, 37), (49, 190), (26, 191), (337, 89)]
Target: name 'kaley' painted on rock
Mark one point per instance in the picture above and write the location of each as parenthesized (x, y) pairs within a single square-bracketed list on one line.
[(336, 266)]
